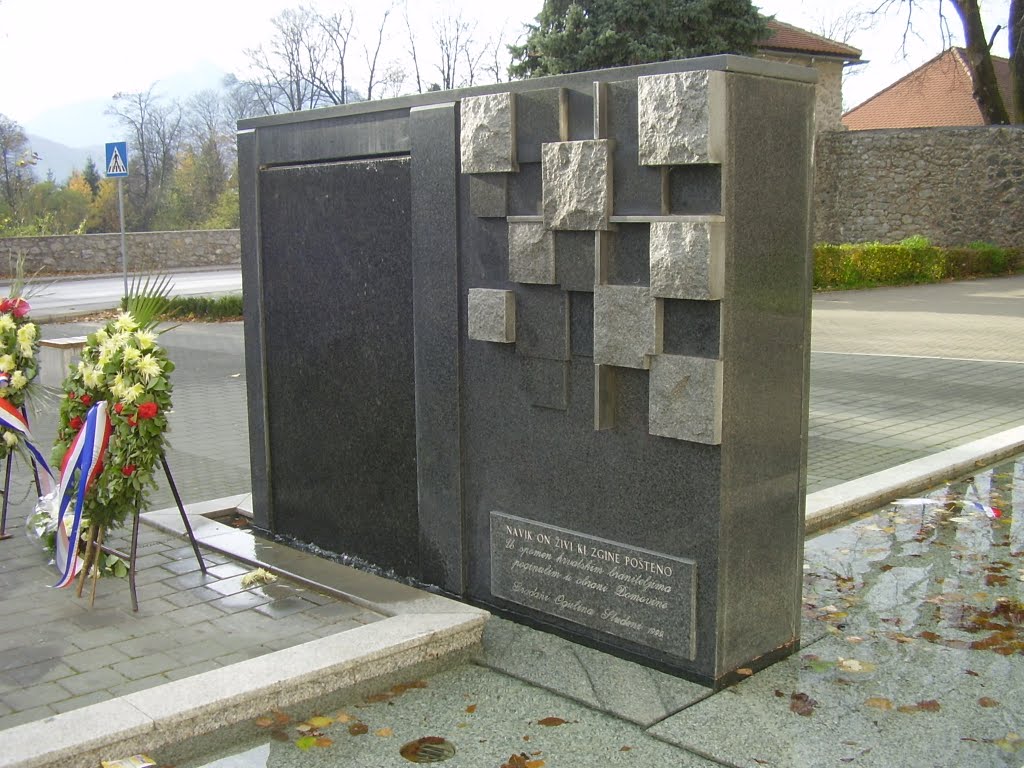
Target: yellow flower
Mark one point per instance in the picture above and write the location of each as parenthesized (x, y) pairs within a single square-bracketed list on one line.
[(125, 322), (130, 394), (18, 380), (129, 356), (27, 333), (145, 339), (6, 322), (10, 438), (6, 363), (101, 336), (148, 367), (92, 377), (25, 348)]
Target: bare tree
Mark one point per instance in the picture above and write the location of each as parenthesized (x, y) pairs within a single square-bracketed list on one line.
[(454, 36), (281, 79), (155, 134), (412, 50), (372, 79), (979, 51), (16, 161), (330, 78)]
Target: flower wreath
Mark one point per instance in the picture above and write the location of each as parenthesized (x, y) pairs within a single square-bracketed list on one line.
[(123, 365), (19, 362)]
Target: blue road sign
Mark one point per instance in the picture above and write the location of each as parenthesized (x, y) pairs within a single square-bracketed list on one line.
[(117, 159)]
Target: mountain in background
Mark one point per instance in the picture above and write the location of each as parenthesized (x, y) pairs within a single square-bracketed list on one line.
[(61, 159), (84, 124)]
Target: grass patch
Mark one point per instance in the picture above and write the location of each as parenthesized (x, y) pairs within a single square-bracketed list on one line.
[(914, 260)]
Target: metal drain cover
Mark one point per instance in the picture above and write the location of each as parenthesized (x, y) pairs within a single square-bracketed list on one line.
[(429, 749)]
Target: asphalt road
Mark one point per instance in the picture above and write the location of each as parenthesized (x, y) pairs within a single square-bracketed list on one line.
[(63, 297)]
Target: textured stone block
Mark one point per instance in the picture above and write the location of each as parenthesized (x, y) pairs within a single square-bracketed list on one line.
[(688, 259), (492, 315), (488, 134), (627, 326), (531, 253), (576, 179), (685, 398), (682, 118)]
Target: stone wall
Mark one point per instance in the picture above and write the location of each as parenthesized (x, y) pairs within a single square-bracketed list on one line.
[(954, 186), (147, 251)]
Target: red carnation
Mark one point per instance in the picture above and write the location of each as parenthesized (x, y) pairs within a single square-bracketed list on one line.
[(118, 408), (131, 421), (6, 305), (86, 400), (71, 395), (148, 410), (76, 423), (128, 470), (19, 307)]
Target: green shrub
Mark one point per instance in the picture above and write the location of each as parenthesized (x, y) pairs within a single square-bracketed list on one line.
[(914, 260), (203, 307)]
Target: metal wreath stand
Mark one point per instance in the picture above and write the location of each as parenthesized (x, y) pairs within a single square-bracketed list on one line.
[(94, 546)]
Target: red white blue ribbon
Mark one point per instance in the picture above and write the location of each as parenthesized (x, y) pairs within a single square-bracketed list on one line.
[(17, 421), (84, 456)]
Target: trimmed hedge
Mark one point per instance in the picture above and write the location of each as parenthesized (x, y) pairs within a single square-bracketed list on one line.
[(914, 260)]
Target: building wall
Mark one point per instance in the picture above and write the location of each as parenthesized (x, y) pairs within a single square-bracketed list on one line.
[(828, 102), (146, 251), (954, 186)]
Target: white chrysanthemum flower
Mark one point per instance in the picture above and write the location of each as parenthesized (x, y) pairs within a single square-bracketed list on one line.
[(82, 367), (132, 393), (129, 356), (25, 349), (10, 438), (125, 322), (7, 363), (145, 339), (18, 380), (120, 339), (101, 335), (6, 322), (149, 367), (27, 333), (92, 377)]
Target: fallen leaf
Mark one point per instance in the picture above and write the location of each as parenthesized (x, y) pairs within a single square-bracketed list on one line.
[(259, 576), (929, 705), (854, 665), (304, 728), (1011, 742), (281, 718), (358, 729), (879, 702), (305, 742), (985, 701), (534, 764), (376, 698), (802, 704), (745, 671), (320, 721), (342, 717), (264, 722), (550, 722), (323, 741), (971, 672), (624, 749), (471, 708)]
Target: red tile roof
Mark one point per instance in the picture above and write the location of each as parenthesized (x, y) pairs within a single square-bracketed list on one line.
[(936, 93), (789, 39)]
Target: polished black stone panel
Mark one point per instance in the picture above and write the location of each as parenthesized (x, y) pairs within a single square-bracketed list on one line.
[(542, 322), (537, 122), (629, 259), (338, 304), (581, 324), (574, 260), (695, 190), (435, 296), (637, 188), (524, 190), (488, 195), (691, 328), (545, 382)]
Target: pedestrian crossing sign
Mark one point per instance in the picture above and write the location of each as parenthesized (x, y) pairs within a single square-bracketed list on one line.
[(117, 159)]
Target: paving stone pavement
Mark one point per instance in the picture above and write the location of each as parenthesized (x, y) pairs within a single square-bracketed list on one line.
[(887, 386)]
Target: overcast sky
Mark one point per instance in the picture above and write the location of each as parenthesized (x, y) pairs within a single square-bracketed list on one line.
[(59, 52)]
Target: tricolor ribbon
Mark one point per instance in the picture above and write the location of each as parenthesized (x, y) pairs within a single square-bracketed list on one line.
[(17, 421), (84, 456)]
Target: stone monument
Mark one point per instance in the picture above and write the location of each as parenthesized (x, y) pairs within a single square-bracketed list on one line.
[(545, 345)]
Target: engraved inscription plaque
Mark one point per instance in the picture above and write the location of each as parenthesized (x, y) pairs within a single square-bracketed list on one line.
[(641, 596)]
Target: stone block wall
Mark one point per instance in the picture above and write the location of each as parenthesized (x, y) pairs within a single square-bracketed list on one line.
[(954, 186), (146, 251)]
